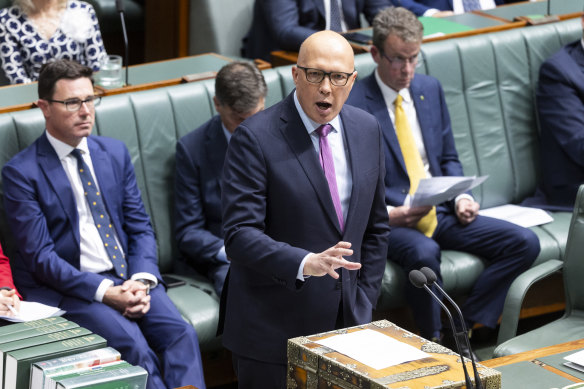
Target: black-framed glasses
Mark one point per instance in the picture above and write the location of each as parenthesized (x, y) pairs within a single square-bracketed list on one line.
[(75, 104), (316, 76), (399, 62)]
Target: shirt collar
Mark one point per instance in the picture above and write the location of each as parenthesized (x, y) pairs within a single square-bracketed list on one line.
[(63, 149), (310, 124), (226, 133), (389, 94)]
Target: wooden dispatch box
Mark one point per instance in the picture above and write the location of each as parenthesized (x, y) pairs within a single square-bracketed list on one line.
[(313, 366)]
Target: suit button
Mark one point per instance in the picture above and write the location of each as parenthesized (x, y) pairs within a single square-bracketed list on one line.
[(338, 285)]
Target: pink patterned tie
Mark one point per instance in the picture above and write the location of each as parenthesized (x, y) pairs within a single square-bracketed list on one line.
[(327, 163)]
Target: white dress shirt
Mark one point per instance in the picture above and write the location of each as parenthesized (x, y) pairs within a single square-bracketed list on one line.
[(93, 256), (327, 12), (339, 150), (458, 8), (389, 96)]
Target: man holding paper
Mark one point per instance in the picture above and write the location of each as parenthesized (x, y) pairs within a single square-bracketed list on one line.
[(415, 122)]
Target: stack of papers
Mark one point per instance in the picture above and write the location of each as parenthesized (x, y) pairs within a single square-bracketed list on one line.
[(575, 361), (523, 216), (437, 190), (373, 348), (32, 311)]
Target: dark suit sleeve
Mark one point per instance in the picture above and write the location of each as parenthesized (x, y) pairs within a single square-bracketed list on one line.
[(560, 109), (33, 239), (244, 199), (142, 252), (194, 240), (374, 246), (449, 163), (411, 5), (283, 20)]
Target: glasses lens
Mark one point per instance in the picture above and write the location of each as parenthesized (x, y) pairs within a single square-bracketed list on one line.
[(339, 79), (73, 104), (314, 75)]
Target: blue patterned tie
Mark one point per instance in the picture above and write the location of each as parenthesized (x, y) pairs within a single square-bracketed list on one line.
[(336, 16), (471, 5), (101, 217)]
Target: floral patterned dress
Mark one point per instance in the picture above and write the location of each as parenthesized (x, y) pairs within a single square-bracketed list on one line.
[(23, 50)]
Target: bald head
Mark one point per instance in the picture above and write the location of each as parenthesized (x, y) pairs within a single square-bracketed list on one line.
[(325, 44), (324, 51)]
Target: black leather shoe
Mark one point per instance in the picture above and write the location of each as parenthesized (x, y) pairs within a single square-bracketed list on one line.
[(448, 341)]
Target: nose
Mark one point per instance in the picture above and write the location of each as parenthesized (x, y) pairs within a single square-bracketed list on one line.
[(85, 108), (325, 85)]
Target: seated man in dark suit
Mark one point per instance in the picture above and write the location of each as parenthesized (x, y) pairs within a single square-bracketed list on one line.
[(285, 24), (560, 106), (419, 143), (84, 241), (240, 92)]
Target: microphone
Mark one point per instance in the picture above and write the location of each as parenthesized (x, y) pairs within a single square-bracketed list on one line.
[(431, 279), (418, 279), (121, 11)]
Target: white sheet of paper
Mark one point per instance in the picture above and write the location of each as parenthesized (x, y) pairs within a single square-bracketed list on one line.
[(373, 348), (523, 216), (436, 190), (33, 311)]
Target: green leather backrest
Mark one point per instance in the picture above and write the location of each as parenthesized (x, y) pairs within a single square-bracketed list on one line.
[(149, 123), (489, 81)]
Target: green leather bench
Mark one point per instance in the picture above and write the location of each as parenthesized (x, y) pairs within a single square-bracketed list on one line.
[(489, 83)]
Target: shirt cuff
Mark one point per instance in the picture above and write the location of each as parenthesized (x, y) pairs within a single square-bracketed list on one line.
[(101, 290), (300, 276), (222, 255), (463, 196), (431, 12), (146, 276)]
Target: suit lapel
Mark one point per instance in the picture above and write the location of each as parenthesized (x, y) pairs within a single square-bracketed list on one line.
[(319, 4), (424, 118), (299, 141), (106, 179), (351, 137), (376, 106), (57, 178), (216, 144)]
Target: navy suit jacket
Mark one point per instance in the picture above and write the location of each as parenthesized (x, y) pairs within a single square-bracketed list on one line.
[(277, 209), (445, 5), (560, 105), (434, 121), (199, 167), (285, 24), (43, 216)]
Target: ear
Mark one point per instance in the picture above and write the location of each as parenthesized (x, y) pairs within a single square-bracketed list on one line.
[(295, 74), (216, 103), (44, 106), (375, 54)]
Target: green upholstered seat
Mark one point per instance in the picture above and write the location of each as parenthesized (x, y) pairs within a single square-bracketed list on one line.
[(571, 325)]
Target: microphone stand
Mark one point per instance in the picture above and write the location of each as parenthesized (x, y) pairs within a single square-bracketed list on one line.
[(431, 278), (418, 279)]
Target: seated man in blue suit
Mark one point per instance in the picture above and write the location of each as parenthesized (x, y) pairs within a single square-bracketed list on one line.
[(419, 143), (560, 106), (84, 241), (285, 24), (461, 6), (305, 222), (240, 91)]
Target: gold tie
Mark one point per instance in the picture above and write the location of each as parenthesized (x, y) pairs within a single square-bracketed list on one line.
[(414, 164)]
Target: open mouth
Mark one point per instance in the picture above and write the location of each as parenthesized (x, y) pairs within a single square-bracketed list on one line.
[(324, 105)]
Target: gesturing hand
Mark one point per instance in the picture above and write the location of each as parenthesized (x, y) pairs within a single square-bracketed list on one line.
[(319, 264)]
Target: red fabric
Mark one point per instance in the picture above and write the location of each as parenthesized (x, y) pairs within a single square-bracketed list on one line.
[(6, 272)]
